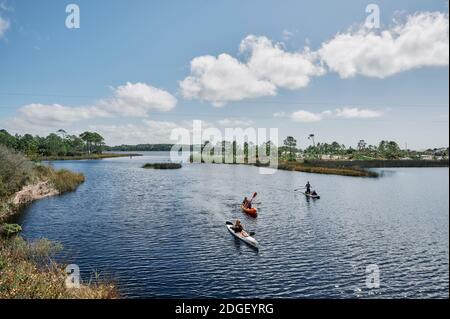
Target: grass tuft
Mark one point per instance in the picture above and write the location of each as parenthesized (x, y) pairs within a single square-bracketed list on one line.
[(163, 165), (28, 272), (63, 180)]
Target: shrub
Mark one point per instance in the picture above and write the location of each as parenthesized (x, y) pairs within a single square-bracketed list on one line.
[(15, 171), (63, 180), (163, 166), (28, 272)]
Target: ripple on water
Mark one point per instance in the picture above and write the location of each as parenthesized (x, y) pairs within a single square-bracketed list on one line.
[(162, 233)]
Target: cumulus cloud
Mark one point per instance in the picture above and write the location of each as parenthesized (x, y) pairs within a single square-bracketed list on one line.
[(423, 40), (147, 131), (308, 117), (54, 115), (223, 79), (352, 113), (267, 67), (130, 100), (139, 99), (303, 116), (284, 69)]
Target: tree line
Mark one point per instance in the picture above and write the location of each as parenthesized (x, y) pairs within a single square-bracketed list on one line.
[(363, 151), (59, 143)]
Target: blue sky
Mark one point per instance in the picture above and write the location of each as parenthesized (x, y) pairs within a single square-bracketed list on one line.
[(398, 95)]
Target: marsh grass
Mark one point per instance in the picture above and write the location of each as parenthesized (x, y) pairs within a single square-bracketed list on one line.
[(28, 272), (162, 166), (63, 180), (350, 171)]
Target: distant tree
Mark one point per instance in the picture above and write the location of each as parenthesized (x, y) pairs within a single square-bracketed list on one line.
[(54, 145), (389, 150), (88, 138), (291, 143), (362, 145), (98, 143), (62, 133), (7, 139), (28, 145)]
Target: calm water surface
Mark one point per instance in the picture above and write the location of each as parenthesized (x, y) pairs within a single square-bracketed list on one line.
[(162, 233)]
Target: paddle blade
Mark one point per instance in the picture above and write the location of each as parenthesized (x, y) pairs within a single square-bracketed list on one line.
[(254, 194)]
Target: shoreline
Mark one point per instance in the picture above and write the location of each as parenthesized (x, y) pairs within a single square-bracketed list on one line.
[(378, 163), (20, 258), (305, 168), (85, 157), (25, 196), (315, 169)]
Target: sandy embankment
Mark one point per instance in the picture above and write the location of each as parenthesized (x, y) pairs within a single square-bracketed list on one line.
[(26, 195)]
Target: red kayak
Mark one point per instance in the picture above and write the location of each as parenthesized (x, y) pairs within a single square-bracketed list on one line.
[(253, 212)]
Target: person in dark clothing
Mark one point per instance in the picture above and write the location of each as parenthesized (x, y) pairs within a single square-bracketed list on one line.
[(308, 188), (237, 227), (246, 203)]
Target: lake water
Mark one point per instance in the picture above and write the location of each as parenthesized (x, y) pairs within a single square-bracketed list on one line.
[(161, 233)]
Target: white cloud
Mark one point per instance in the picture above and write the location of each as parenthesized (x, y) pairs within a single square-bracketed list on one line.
[(54, 115), (146, 132), (130, 100), (4, 26), (423, 40), (223, 79), (267, 68), (306, 117), (138, 100), (280, 114), (351, 113), (303, 116), (230, 122), (284, 69)]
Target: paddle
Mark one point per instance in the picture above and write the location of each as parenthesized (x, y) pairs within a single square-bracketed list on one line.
[(254, 195), (299, 188)]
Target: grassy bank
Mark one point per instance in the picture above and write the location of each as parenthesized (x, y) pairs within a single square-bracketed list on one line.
[(26, 269), (83, 157), (376, 163), (299, 167), (343, 171)]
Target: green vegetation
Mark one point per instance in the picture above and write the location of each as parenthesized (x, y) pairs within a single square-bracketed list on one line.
[(163, 166), (85, 157), (8, 230), (26, 269), (385, 150), (17, 171), (55, 144), (307, 168), (28, 272), (140, 148)]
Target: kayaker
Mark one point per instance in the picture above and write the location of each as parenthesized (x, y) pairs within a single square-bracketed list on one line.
[(237, 227), (246, 203), (308, 188)]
